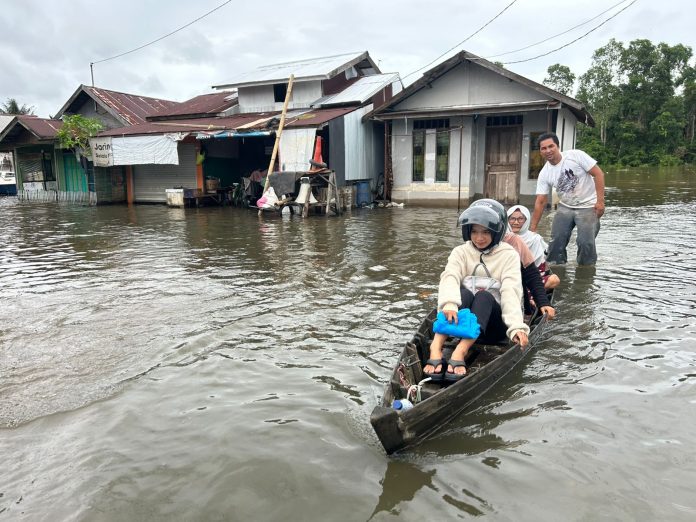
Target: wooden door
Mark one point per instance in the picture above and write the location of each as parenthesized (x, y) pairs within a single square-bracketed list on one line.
[(502, 169)]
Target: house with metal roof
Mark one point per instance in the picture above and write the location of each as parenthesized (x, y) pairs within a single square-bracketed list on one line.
[(31, 140), (328, 99), (469, 128), (345, 87), (45, 172)]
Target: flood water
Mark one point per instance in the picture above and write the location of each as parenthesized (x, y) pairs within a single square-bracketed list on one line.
[(205, 364)]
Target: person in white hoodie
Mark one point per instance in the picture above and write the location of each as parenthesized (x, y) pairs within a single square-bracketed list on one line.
[(484, 276), (519, 219)]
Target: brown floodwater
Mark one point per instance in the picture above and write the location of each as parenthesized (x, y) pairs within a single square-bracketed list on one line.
[(206, 364)]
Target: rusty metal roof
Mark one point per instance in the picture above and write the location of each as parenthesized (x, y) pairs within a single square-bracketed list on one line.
[(198, 107), (239, 122), (129, 109), (41, 128)]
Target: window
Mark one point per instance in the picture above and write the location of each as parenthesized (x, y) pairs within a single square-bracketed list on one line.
[(442, 141), (442, 123), (280, 90), (418, 155), (504, 121), (442, 155)]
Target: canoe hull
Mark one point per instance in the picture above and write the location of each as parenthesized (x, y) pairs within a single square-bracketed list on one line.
[(399, 429)]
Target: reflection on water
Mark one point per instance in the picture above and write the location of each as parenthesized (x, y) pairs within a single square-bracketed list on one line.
[(208, 364)]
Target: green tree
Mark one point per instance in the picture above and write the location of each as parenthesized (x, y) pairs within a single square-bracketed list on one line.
[(12, 107), (76, 131), (599, 86), (560, 78)]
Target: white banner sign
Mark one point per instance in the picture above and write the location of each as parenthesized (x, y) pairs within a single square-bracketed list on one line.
[(156, 149), (102, 155)]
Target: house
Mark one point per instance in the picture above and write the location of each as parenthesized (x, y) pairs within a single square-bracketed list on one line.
[(7, 175), (32, 141), (46, 172), (469, 128), (330, 95), (230, 135), (162, 152)]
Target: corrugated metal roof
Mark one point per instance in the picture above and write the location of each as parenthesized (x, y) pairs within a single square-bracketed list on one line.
[(204, 104), (4, 121), (238, 122), (130, 109), (304, 70), (443, 68), (42, 128), (360, 91)]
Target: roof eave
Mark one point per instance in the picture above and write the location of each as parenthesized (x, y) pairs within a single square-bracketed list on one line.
[(272, 82)]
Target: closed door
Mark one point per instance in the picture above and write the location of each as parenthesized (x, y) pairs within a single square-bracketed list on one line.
[(503, 150), (75, 178)]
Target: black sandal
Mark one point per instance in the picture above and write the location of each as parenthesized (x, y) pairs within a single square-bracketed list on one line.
[(436, 377), (454, 377)]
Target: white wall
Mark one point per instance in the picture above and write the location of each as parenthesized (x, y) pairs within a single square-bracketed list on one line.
[(565, 128), (260, 98), (461, 155)]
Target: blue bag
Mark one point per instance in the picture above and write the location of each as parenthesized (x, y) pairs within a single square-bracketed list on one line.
[(468, 327)]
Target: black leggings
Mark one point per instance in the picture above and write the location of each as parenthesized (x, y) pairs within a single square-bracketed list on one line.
[(488, 313)]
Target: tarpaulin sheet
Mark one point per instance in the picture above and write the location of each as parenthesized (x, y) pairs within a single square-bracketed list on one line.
[(296, 148), (145, 150)]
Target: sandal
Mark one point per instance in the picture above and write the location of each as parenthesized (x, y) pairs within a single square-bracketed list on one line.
[(436, 377), (454, 377)]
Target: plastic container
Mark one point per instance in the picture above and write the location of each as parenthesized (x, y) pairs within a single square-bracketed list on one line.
[(362, 195), (402, 404)]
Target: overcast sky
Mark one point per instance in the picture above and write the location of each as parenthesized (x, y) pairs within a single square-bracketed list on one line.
[(46, 46)]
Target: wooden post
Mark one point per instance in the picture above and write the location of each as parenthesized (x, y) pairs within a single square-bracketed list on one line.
[(339, 205), (328, 197), (200, 182), (278, 133), (130, 195)]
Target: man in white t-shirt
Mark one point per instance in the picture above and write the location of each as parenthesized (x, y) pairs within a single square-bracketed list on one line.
[(579, 183)]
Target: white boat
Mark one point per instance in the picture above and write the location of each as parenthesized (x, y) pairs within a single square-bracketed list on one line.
[(8, 183)]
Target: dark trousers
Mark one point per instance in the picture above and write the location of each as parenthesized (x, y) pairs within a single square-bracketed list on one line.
[(488, 313), (565, 220)]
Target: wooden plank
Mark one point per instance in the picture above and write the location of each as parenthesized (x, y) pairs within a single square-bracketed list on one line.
[(278, 134)]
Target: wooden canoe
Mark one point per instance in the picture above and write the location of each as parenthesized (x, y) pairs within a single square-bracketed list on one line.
[(486, 365)]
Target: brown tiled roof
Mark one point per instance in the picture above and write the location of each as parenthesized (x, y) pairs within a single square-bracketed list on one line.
[(198, 107)]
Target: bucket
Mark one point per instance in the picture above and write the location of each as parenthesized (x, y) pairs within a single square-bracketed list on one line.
[(212, 184), (363, 196)]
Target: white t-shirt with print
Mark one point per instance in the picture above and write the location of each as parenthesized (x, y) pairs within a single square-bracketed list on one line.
[(570, 178)]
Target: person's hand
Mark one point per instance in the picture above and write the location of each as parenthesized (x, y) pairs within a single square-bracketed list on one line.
[(550, 311), (599, 209), (521, 339), (451, 315)]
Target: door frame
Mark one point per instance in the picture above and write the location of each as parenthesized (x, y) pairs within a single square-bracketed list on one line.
[(518, 164)]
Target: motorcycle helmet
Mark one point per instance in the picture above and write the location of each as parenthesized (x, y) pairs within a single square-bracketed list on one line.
[(495, 205), (486, 217)]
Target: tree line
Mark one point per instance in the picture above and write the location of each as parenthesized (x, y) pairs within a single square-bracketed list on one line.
[(643, 99)]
